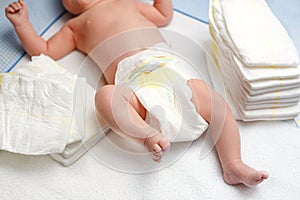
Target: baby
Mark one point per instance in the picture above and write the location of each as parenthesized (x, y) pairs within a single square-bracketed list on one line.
[(97, 29)]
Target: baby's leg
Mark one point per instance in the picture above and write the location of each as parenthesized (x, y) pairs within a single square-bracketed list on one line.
[(123, 112), (224, 131)]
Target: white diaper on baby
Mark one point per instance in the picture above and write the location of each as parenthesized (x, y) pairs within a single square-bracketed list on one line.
[(36, 108), (154, 78)]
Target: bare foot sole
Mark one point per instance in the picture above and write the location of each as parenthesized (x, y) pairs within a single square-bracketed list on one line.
[(239, 173), (156, 146)]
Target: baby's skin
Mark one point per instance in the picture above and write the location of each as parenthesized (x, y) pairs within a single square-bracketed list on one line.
[(94, 22)]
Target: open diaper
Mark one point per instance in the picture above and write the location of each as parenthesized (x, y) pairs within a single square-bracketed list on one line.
[(37, 108)]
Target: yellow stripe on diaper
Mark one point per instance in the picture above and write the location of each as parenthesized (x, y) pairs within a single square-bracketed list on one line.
[(216, 54), (276, 102), (298, 123), (162, 59), (297, 120), (150, 64)]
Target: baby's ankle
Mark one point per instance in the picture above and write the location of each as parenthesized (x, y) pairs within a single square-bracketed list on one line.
[(232, 164)]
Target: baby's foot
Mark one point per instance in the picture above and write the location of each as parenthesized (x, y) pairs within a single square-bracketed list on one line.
[(237, 172), (156, 146)]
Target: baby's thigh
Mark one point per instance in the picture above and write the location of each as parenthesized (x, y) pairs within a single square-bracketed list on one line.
[(201, 97), (116, 95)]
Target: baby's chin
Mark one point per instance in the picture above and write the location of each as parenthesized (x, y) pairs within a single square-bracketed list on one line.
[(75, 12), (77, 7)]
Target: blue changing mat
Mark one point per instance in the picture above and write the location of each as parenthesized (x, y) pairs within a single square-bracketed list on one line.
[(42, 15), (197, 9)]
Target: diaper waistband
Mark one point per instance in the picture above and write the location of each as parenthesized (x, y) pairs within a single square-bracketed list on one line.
[(143, 62), (150, 64)]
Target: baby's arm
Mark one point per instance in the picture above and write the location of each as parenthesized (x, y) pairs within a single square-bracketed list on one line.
[(160, 13), (56, 47)]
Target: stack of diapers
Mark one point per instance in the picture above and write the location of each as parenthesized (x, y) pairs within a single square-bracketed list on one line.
[(257, 59), (43, 111)]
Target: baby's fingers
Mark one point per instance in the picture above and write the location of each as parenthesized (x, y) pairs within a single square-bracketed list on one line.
[(21, 2), (14, 7), (9, 10), (17, 12)]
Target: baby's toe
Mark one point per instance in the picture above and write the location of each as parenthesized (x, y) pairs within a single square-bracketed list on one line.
[(164, 144)]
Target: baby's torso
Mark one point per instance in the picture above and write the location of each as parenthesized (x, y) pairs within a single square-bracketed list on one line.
[(104, 20)]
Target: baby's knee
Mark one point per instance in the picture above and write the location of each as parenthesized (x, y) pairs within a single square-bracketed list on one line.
[(103, 98)]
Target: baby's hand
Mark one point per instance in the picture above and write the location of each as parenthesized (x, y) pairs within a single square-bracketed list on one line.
[(17, 12)]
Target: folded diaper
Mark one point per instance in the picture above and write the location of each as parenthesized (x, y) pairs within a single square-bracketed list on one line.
[(255, 35), (154, 77), (270, 72), (269, 105), (252, 73), (36, 108), (257, 59), (74, 151), (93, 131), (259, 87), (271, 113)]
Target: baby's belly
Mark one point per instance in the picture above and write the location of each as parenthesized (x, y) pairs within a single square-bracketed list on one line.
[(109, 52), (121, 29)]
